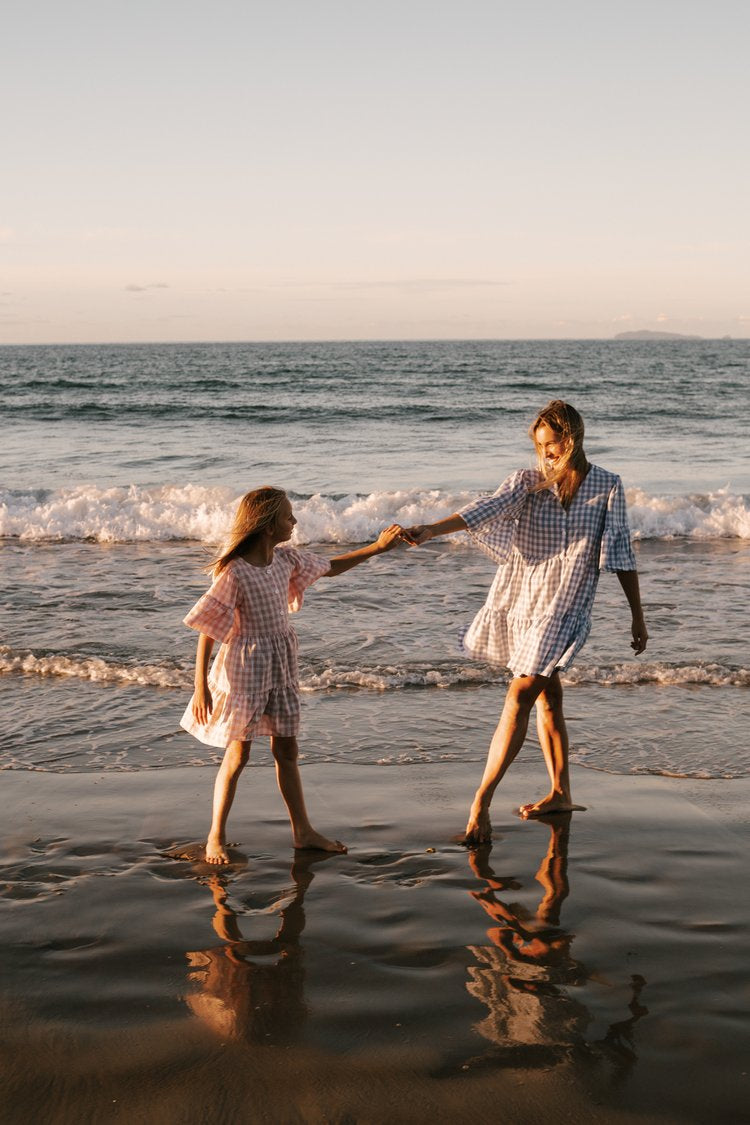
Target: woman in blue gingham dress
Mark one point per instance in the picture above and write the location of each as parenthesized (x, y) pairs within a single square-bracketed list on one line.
[(551, 530)]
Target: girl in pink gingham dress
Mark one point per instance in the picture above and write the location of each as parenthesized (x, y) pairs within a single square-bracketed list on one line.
[(252, 687)]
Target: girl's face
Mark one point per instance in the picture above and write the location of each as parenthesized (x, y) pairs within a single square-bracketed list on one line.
[(285, 522), (550, 445)]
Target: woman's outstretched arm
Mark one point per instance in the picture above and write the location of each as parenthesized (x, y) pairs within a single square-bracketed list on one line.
[(421, 532), (629, 581)]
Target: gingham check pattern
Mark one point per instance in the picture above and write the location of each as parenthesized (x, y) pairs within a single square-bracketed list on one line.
[(538, 612), (253, 680)]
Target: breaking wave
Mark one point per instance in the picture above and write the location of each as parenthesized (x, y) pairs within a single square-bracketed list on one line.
[(193, 512)]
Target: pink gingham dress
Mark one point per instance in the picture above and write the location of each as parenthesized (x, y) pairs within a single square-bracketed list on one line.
[(253, 679), (537, 615)]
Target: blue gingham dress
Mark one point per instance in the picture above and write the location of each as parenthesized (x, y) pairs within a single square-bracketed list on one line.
[(537, 616)]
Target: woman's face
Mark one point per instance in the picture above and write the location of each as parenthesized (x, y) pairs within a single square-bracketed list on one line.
[(551, 446)]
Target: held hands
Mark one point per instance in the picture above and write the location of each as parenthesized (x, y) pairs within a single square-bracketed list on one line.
[(203, 704), (640, 635), (393, 535), (418, 534)]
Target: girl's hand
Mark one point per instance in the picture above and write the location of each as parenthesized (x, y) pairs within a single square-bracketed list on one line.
[(203, 704), (392, 535), (640, 635), (419, 534)]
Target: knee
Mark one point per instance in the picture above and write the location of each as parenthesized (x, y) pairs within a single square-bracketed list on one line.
[(236, 756), (551, 698), (285, 750), (523, 692)]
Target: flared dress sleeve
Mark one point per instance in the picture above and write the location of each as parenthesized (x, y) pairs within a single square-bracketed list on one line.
[(491, 521), (213, 614), (616, 551), (306, 569)]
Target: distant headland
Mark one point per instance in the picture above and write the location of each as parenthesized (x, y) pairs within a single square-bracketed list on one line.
[(644, 334)]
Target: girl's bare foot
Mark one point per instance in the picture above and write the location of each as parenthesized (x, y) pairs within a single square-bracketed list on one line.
[(478, 827), (313, 839), (552, 803), (216, 852)]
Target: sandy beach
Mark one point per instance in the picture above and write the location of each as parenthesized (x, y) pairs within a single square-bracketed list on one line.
[(590, 967)]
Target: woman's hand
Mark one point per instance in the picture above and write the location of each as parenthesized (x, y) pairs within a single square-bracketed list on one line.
[(640, 635), (419, 534), (203, 704)]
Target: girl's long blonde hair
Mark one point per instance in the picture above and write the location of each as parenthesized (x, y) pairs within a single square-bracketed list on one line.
[(256, 511), (564, 420)]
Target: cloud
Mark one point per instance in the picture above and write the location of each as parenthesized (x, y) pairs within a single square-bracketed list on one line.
[(6, 234), (422, 284), (15, 323), (109, 234), (662, 318), (145, 288)]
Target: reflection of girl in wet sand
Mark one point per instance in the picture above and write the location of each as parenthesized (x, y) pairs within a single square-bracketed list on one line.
[(551, 530), (253, 990)]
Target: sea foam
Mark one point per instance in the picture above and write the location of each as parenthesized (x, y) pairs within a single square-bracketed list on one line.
[(194, 512), (375, 677)]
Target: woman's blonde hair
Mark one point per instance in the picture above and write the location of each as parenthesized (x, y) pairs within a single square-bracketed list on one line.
[(256, 511), (564, 420)]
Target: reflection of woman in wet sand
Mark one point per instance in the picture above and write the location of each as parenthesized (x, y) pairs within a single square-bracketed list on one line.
[(551, 530), (519, 976), (253, 990), (523, 977)]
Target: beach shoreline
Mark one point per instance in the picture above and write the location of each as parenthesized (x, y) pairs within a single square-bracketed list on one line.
[(589, 966)]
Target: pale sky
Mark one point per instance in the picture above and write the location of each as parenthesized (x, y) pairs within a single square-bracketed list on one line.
[(345, 169)]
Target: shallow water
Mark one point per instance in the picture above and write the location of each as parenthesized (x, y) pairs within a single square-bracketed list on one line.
[(121, 465)]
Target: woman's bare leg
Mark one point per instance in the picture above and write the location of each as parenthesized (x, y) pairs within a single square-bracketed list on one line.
[(506, 742), (235, 760), (286, 752), (553, 738)]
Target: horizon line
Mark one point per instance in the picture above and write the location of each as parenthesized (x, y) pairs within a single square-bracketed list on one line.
[(676, 338)]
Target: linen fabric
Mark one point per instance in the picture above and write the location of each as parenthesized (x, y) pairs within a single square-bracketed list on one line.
[(254, 677), (537, 615)]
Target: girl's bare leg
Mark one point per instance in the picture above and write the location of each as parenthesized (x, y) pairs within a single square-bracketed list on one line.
[(235, 760), (286, 753), (506, 742), (553, 738)]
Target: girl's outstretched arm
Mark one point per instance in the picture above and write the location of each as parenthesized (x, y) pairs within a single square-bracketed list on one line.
[(386, 541), (202, 701), (629, 581), (421, 532)]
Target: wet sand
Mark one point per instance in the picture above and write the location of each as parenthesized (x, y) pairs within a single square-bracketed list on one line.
[(592, 967)]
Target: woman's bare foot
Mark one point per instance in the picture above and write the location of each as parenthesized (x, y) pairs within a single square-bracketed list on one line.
[(552, 803), (478, 827), (216, 852), (313, 839)]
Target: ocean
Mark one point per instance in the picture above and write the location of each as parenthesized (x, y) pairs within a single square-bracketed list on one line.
[(121, 467)]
